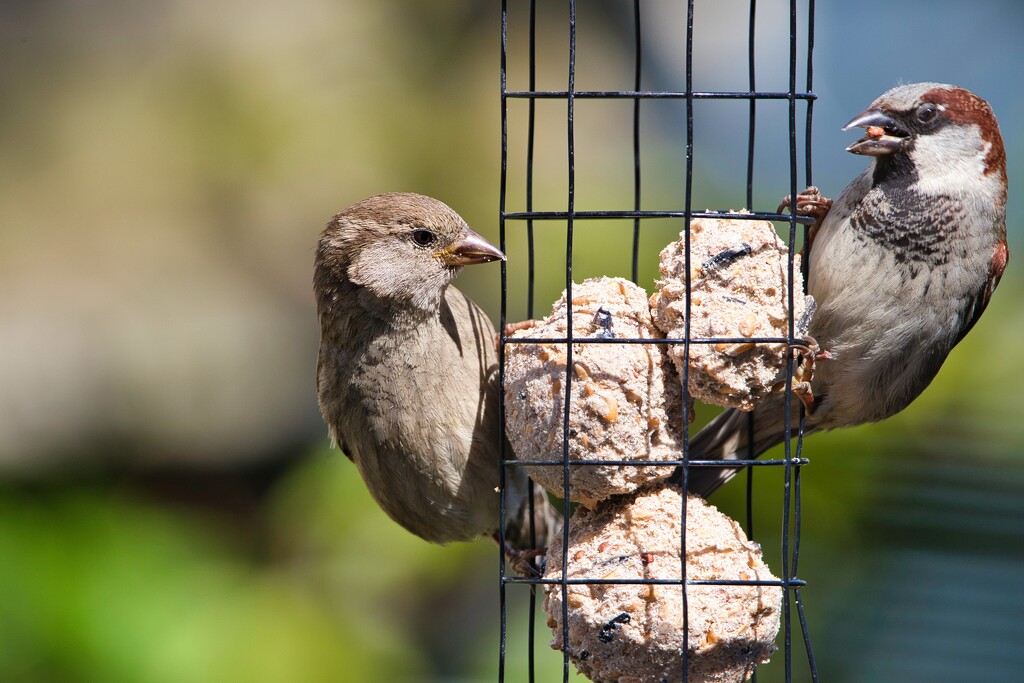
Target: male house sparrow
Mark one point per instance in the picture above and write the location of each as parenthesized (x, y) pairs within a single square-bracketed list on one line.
[(901, 266), (407, 369)]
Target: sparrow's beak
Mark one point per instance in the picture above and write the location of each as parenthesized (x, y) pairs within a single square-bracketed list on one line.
[(468, 249), (885, 134)]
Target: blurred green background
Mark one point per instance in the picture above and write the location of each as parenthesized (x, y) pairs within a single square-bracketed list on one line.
[(169, 507)]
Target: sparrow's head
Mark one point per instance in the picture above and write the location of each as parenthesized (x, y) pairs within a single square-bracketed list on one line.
[(948, 135), (404, 248)]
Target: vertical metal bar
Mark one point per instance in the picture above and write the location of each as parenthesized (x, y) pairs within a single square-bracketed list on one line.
[(571, 207), (531, 638), (751, 31), (530, 124), (810, 89), (796, 560), (687, 210), (503, 608), (637, 59), (804, 265), (809, 178), (751, 129), (787, 494)]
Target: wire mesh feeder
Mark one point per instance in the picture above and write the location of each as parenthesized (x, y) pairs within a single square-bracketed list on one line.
[(527, 219)]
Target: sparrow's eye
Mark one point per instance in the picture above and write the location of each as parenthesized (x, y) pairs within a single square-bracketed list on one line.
[(424, 238), (927, 112)]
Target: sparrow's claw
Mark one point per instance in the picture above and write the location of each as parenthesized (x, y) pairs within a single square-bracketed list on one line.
[(808, 203), (511, 328), (807, 345), (526, 563), (807, 353), (802, 390)]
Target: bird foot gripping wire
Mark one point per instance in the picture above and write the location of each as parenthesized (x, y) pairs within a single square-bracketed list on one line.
[(808, 203), (526, 563), (806, 353), (512, 328)]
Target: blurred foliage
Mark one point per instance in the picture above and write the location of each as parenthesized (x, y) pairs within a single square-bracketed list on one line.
[(169, 510)]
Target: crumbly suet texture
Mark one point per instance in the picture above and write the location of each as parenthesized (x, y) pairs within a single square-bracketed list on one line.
[(633, 633), (738, 289), (625, 399)]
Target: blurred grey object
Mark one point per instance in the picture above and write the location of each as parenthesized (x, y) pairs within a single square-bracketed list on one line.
[(162, 184), (177, 372)]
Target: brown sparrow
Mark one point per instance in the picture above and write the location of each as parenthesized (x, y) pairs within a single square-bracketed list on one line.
[(901, 266), (407, 369)]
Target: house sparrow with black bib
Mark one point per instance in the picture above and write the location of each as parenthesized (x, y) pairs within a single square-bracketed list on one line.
[(407, 370), (901, 266)]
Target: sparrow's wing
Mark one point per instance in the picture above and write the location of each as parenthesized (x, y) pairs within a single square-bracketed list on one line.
[(977, 305), (344, 449), (337, 439)]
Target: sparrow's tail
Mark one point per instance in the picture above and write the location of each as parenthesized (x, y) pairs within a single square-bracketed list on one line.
[(727, 437)]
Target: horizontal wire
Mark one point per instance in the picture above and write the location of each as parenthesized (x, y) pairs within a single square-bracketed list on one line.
[(655, 95), (576, 341), (735, 464), (783, 583), (562, 215)]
